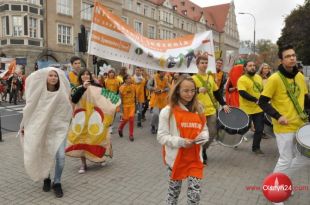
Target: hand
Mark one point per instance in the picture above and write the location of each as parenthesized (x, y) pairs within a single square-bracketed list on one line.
[(226, 109), (282, 120), (86, 84), (188, 143), (202, 90)]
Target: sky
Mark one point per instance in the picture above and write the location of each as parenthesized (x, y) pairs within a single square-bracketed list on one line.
[(269, 15)]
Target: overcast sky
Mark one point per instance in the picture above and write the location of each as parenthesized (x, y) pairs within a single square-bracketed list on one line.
[(269, 15)]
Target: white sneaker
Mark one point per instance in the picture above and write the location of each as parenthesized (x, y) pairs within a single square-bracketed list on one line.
[(280, 203), (103, 164), (82, 170), (111, 130)]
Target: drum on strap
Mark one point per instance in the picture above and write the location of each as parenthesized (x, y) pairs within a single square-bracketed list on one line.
[(232, 126), (267, 120), (303, 140)]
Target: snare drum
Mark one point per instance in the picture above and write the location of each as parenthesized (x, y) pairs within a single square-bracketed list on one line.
[(232, 126), (303, 140), (234, 122)]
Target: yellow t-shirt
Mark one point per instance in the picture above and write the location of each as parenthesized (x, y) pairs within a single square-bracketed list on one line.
[(140, 89), (205, 99), (246, 84), (275, 89), (112, 84), (73, 78)]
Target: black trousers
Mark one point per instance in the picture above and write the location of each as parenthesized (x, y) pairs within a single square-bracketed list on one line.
[(258, 121)]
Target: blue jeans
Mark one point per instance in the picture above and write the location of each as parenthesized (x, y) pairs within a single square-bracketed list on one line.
[(139, 108), (60, 162)]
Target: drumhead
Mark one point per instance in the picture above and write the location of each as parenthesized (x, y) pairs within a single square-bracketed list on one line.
[(303, 135), (236, 119)]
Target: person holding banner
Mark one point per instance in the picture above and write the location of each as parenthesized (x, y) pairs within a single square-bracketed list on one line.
[(45, 124), (209, 96), (159, 85), (182, 130), (127, 92), (139, 83), (76, 67)]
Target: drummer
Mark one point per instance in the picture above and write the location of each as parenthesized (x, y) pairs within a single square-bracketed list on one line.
[(209, 96), (288, 116), (250, 86)]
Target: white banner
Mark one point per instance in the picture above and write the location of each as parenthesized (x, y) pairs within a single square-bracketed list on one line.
[(111, 38)]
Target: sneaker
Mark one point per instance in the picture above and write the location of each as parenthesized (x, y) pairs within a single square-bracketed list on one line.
[(120, 133), (58, 190), (82, 170), (139, 124), (153, 130), (258, 152), (131, 138), (103, 164), (47, 184)]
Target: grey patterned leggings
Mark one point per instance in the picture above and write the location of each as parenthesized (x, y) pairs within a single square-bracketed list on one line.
[(193, 190)]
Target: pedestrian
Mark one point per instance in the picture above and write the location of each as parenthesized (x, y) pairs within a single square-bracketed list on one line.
[(209, 96), (250, 86), (127, 93), (286, 91), (265, 72), (140, 83), (44, 127), (182, 130), (84, 81), (76, 68), (221, 76)]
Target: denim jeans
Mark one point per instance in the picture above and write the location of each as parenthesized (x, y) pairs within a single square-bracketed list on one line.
[(60, 162), (139, 108), (258, 121)]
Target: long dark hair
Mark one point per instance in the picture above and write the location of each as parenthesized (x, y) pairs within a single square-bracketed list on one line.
[(58, 82), (174, 96), (82, 73)]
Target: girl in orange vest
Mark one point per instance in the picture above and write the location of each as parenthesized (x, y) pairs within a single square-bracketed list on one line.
[(127, 92), (182, 132)]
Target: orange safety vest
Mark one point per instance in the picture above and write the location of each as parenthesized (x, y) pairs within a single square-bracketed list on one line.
[(140, 90), (127, 93), (73, 78), (160, 99), (188, 162)]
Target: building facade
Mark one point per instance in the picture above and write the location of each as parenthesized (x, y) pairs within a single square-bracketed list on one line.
[(41, 32)]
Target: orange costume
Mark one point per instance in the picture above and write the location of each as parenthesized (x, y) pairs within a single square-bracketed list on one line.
[(232, 97), (128, 96), (112, 84), (140, 89), (160, 97)]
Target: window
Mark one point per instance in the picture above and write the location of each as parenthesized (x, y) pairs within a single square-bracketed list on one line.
[(33, 27), (64, 7), (151, 32), (129, 4), (153, 13), (34, 1), (138, 27), (17, 25), (146, 10), (3, 25), (125, 19), (64, 34), (138, 7), (86, 11)]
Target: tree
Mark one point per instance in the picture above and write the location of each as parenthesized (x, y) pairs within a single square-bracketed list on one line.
[(296, 32), (267, 53)]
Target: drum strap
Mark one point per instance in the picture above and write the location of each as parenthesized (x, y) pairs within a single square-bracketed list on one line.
[(256, 84), (205, 84), (293, 98)]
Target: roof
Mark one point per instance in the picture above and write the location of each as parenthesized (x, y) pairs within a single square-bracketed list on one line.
[(219, 15), (214, 15)]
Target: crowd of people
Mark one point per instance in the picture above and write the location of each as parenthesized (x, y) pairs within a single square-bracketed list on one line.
[(184, 113), (12, 88)]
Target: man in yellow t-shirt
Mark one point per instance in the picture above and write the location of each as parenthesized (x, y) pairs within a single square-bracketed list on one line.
[(139, 82), (285, 118), (250, 86), (209, 96), (76, 68)]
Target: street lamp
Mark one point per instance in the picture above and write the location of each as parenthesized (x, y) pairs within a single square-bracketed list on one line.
[(254, 25)]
